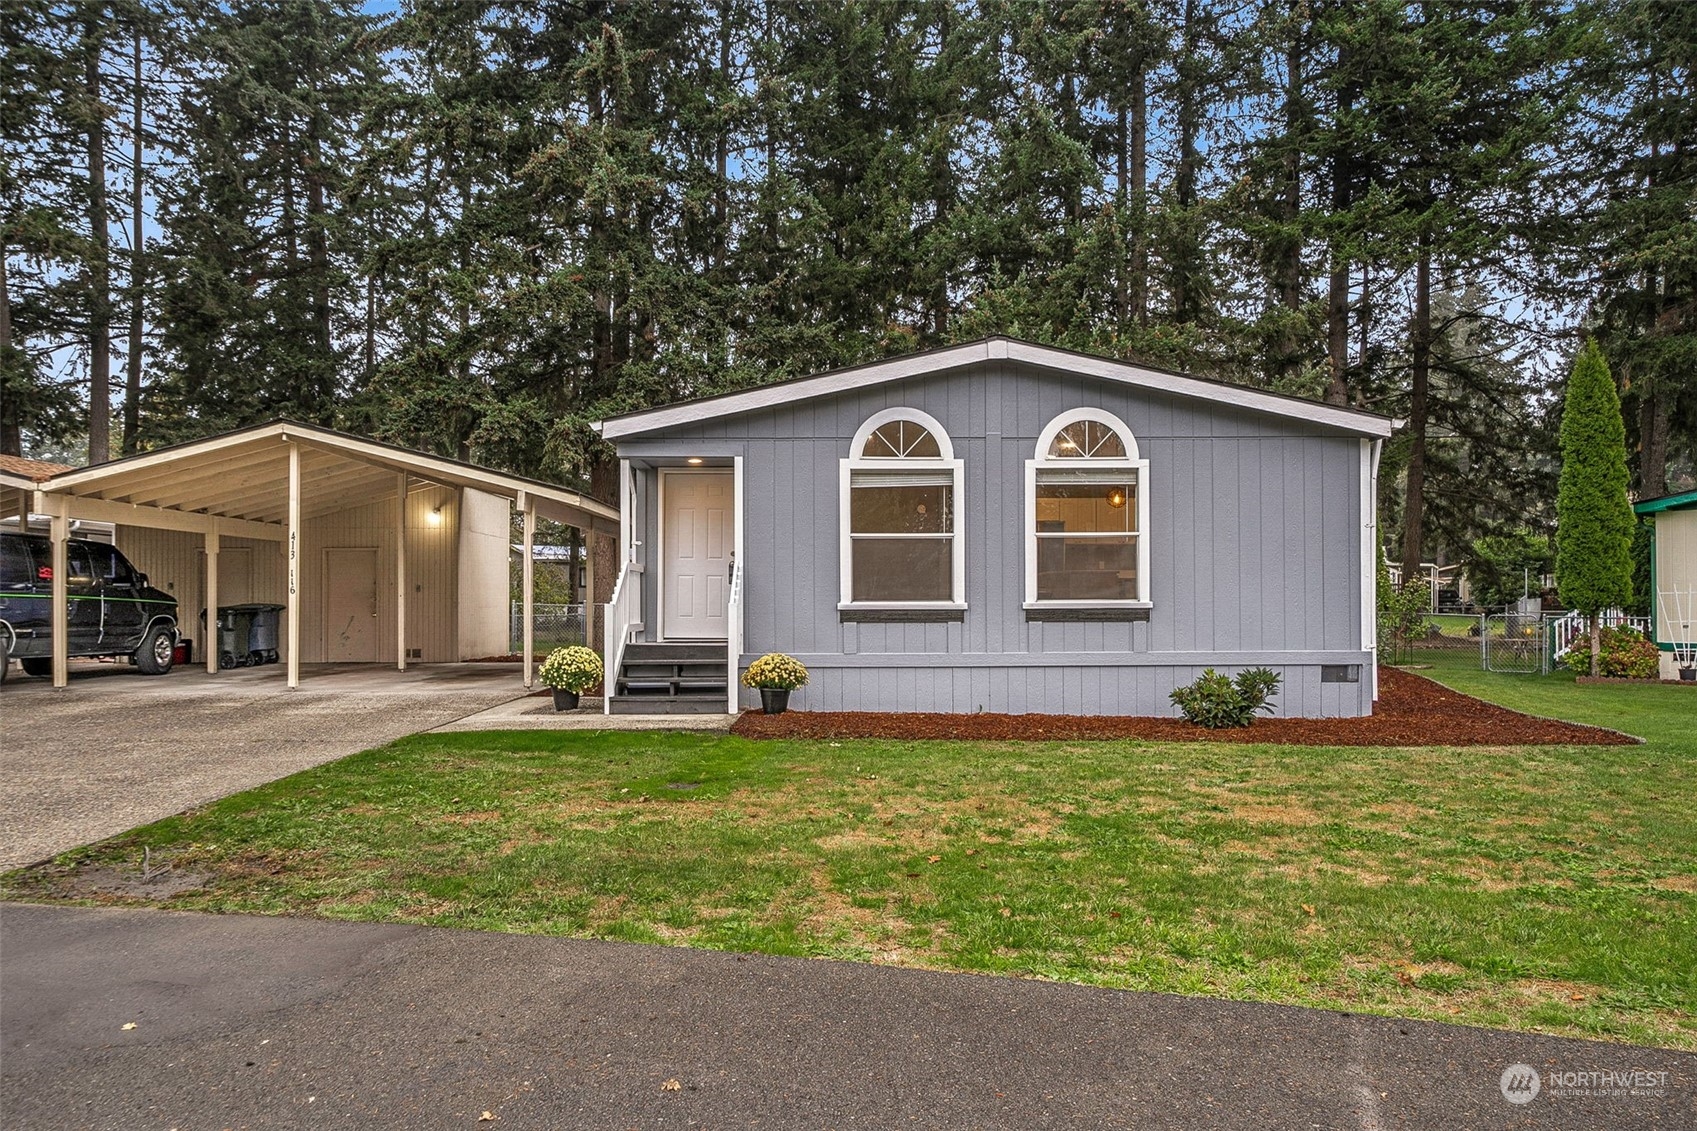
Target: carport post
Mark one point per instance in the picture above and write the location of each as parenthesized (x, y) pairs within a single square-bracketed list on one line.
[(528, 568), (211, 646), (59, 531), (294, 551), (401, 571), (588, 594)]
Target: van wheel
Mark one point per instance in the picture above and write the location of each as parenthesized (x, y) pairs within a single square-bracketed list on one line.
[(37, 665), (5, 659), (157, 652)]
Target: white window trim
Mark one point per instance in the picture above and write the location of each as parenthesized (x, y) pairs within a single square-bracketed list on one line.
[(857, 462), (1133, 463)]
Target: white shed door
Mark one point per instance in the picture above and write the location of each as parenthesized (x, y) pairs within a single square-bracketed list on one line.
[(350, 606), (696, 536)]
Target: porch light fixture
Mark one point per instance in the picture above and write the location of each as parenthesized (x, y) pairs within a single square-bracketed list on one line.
[(1116, 497), (434, 518), (694, 461)]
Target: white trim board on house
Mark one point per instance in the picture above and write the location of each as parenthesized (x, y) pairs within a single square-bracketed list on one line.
[(1350, 420)]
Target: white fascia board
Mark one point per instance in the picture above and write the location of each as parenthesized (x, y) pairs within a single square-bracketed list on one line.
[(788, 392), (129, 465), (896, 369), (428, 466), (272, 437), (1127, 373)]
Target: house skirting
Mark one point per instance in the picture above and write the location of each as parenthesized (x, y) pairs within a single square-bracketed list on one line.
[(1315, 684)]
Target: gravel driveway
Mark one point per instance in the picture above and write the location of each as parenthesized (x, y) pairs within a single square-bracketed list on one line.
[(116, 749)]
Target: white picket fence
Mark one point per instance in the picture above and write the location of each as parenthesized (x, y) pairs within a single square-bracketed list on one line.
[(1561, 632)]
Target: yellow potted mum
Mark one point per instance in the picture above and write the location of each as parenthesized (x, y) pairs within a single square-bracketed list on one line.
[(776, 675), (570, 672)]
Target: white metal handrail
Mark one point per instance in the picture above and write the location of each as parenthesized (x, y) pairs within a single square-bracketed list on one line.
[(623, 617), (733, 635)]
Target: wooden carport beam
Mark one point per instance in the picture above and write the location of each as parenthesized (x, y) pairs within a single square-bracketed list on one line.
[(210, 644), (136, 488), (294, 552), (59, 532), (401, 571), (337, 479), (154, 518), (527, 504)]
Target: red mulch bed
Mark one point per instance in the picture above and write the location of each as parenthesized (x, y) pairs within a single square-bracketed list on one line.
[(1412, 711)]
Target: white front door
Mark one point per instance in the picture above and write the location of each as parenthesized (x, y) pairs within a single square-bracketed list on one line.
[(350, 606), (696, 533)]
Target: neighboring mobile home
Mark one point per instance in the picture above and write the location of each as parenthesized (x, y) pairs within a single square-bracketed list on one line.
[(997, 526), (1673, 574)]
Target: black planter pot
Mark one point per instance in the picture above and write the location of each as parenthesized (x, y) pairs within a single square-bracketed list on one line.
[(565, 700), (1688, 674), (774, 700)]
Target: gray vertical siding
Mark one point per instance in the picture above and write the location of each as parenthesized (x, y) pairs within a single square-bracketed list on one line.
[(1254, 551)]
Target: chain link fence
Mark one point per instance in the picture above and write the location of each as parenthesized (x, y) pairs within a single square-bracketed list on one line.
[(555, 626), (1512, 642)]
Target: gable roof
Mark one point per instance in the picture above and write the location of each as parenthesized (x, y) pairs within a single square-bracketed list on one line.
[(993, 349), (35, 470), (244, 474)]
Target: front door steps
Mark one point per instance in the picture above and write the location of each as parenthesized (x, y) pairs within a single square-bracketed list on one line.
[(671, 679)]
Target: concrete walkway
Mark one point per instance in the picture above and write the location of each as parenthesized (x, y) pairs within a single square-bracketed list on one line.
[(536, 712), (117, 749), (124, 1019)]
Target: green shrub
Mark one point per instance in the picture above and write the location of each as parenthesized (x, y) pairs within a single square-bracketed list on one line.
[(1626, 653), (1215, 701)]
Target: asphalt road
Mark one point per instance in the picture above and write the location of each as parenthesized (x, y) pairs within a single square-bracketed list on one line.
[(117, 749), (255, 1022)]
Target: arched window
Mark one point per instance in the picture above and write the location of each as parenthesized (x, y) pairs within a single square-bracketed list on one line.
[(1087, 515), (902, 545)]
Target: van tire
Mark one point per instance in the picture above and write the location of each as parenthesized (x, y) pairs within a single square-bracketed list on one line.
[(157, 651), (37, 665), (5, 658)]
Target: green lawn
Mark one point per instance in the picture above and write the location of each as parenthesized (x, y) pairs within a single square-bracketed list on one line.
[(1545, 888), (1665, 716)]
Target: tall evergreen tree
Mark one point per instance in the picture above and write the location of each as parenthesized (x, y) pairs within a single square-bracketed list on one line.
[(1593, 516), (1643, 229)]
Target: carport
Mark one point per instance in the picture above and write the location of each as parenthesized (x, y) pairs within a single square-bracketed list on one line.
[(437, 529)]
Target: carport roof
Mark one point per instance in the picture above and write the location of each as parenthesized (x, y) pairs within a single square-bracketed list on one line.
[(244, 475)]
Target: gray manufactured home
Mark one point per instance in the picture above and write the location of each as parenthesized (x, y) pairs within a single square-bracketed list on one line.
[(996, 526)]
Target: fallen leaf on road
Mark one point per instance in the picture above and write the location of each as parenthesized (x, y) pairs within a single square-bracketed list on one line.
[(671, 1086), (128, 1025), (487, 1117)]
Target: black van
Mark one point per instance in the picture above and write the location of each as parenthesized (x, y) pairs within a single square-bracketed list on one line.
[(113, 611)]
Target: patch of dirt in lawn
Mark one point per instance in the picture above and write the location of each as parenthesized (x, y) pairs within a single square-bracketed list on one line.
[(1676, 883), (131, 884), (1258, 812), (474, 818), (1412, 711)]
